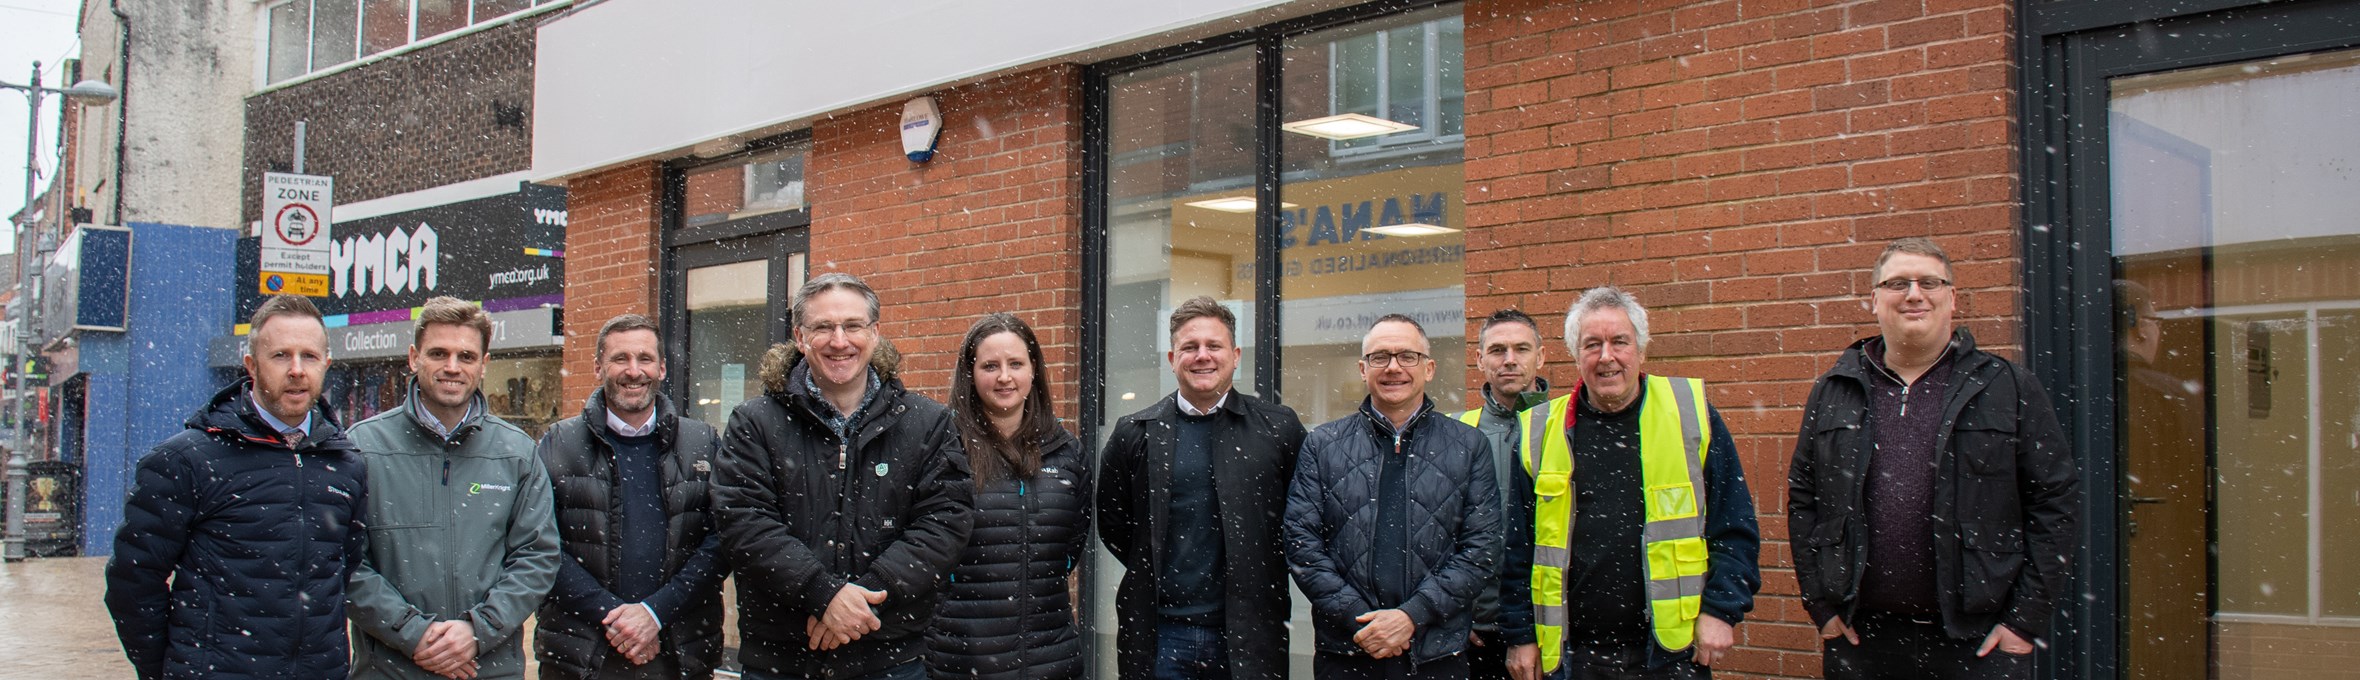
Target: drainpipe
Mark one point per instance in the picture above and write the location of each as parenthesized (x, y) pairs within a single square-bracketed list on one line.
[(122, 106)]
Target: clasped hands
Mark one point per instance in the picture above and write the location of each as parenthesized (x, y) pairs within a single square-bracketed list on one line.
[(849, 616)]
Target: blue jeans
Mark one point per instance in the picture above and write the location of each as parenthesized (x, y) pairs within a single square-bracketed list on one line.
[(915, 670), (1186, 652)]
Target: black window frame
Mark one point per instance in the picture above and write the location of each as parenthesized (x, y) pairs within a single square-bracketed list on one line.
[(781, 234), (2068, 51), (1268, 43)]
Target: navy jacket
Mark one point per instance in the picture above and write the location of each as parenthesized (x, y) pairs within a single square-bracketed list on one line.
[(1453, 540), (256, 539)]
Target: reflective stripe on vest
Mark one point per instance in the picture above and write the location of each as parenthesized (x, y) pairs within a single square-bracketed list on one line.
[(1473, 417), (1672, 547)]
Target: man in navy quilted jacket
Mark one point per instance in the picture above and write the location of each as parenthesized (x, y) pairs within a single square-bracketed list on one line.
[(241, 529)]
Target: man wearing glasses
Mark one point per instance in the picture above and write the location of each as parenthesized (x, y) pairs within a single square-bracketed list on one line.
[(1393, 522), (843, 500), (1635, 543), (1931, 500)]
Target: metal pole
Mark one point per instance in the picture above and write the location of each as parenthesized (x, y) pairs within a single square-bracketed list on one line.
[(299, 146), (14, 548)]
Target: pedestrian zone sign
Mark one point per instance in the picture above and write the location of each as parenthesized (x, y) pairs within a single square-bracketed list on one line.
[(295, 233)]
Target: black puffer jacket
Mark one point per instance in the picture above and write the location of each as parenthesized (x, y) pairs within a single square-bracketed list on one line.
[(2006, 495), (803, 512), (1006, 614), (1453, 541), (257, 540), (570, 638)]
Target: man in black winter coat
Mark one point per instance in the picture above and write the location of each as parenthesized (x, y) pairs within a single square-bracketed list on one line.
[(1932, 499), (844, 500), (241, 530), (1190, 493), (639, 593), (1393, 522)]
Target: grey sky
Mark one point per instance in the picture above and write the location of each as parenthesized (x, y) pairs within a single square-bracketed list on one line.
[(30, 30)]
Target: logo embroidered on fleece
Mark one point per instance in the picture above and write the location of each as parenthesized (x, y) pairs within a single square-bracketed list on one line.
[(480, 487)]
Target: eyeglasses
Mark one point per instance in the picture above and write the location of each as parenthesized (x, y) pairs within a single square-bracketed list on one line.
[(849, 328), (1404, 359), (1929, 284)]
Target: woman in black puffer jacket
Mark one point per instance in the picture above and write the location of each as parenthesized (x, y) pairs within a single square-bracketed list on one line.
[(1008, 612)]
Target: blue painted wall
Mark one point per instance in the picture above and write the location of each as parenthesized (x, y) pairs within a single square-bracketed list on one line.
[(144, 382)]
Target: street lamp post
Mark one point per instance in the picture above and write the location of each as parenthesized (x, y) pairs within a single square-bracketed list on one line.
[(91, 92)]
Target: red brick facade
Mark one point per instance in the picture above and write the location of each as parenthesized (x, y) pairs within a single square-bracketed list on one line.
[(610, 253), (992, 224), (1738, 165)]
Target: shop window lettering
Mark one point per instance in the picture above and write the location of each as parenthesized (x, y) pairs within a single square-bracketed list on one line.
[(1347, 222)]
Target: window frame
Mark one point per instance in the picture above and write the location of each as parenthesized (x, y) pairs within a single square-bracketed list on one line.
[(267, 31)]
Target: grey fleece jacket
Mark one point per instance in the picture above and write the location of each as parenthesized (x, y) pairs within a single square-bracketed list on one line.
[(460, 528)]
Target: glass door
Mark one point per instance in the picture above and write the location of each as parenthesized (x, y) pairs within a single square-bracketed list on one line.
[(2235, 209), (737, 244)]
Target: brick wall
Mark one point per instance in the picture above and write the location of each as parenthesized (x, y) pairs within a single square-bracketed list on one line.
[(611, 243), (1738, 165), (992, 224), (448, 113)]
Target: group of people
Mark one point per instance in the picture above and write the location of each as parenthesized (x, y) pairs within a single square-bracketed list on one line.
[(876, 534)]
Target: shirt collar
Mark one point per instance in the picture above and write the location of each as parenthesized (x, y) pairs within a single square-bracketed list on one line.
[(1190, 409), (277, 425), (622, 429), (475, 409)]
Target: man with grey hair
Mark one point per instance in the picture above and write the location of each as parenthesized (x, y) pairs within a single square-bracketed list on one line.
[(1930, 541), (1632, 537), (842, 500)]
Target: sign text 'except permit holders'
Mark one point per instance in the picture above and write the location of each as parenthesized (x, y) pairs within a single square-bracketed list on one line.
[(296, 232)]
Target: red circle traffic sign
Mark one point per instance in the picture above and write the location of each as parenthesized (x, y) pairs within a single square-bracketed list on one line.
[(308, 229)]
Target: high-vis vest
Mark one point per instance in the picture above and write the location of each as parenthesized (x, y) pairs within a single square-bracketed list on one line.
[(1473, 417), (1673, 424)]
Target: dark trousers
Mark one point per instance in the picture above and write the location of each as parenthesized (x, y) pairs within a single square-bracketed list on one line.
[(1623, 663), (1327, 666), (617, 667), (1190, 652), (1487, 657), (915, 670), (1902, 648)]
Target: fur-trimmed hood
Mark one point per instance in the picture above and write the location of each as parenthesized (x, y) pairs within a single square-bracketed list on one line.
[(781, 358)]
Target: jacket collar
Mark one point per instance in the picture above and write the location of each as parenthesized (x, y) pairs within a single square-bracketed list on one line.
[(1168, 408), (1856, 364), (594, 417), (1539, 394), (415, 409), (1384, 425), (231, 413)]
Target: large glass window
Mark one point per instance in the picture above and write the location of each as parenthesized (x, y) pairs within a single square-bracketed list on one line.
[(1364, 224), (735, 252), (1364, 234), (2238, 318), (313, 35)]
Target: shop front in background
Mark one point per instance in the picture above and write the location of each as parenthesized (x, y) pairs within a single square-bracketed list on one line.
[(505, 252)]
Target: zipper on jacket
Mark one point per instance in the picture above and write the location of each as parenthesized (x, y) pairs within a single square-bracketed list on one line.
[(843, 451), (446, 472)]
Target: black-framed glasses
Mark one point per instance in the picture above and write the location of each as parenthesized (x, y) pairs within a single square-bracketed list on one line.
[(1928, 284), (1405, 359), (850, 328)]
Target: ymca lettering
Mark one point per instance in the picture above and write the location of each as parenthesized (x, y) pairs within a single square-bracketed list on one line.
[(394, 262)]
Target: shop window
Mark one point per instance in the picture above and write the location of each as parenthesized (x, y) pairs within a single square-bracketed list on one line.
[(1308, 239), (314, 35), (734, 252), (1405, 74)]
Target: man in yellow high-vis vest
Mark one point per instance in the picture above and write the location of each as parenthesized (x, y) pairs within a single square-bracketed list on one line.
[(1510, 352), (1632, 540)]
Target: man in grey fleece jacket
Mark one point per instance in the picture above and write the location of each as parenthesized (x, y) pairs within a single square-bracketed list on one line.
[(462, 537)]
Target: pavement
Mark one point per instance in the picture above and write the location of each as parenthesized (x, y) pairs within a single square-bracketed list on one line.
[(53, 623)]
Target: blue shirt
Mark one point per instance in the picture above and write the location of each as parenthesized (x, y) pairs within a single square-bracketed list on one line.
[(277, 425)]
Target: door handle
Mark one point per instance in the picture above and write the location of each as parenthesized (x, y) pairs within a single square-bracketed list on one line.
[(2145, 500)]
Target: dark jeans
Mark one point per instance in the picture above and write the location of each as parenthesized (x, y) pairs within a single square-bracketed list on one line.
[(1623, 663), (1188, 652), (915, 670), (1902, 648), (1487, 657), (1327, 666)]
